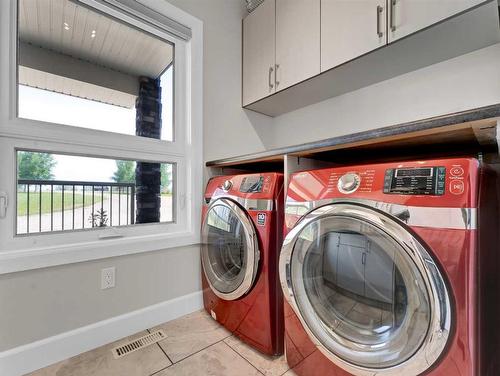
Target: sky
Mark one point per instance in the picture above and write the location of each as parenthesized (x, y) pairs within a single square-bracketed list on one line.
[(43, 105), (83, 168)]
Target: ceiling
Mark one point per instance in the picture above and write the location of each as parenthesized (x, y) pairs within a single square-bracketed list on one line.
[(65, 85), (67, 28)]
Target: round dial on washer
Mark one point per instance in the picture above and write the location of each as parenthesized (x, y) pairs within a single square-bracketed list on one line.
[(348, 183), (227, 185)]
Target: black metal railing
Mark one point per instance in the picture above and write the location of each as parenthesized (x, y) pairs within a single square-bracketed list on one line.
[(96, 204)]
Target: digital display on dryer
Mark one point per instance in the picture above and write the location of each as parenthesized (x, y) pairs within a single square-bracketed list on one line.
[(415, 181), (252, 184)]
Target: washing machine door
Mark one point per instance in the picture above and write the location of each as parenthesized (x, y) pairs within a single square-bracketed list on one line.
[(229, 252), (368, 293)]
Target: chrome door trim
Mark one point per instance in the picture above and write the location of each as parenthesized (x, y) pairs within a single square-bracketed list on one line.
[(441, 316), (431, 216), (248, 203), (252, 246)]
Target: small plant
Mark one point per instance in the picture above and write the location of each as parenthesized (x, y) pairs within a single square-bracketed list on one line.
[(99, 219)]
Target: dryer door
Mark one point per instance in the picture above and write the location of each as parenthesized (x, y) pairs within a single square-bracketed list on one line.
[(229, 253), (365, 289)]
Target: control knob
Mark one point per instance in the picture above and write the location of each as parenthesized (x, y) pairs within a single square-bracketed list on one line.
[(227, 185), (348, 183)]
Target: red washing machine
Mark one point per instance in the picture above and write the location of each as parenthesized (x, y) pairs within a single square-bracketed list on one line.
[(241, 239), (392, 269)]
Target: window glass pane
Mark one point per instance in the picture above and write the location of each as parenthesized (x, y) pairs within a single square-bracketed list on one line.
[(58, 192), (82, 68)]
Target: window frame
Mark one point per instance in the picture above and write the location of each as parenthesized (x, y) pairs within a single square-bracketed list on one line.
[(47, 249)]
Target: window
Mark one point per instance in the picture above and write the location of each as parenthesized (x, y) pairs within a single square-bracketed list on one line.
[(106, 96), (80, 68), (58, 192)]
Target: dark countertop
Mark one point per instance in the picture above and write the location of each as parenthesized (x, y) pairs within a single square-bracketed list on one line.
[(439, 123)]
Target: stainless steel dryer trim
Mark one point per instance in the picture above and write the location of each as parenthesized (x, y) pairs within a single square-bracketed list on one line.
[(431, 217), (247, 203), (441, 315), (253, 252)]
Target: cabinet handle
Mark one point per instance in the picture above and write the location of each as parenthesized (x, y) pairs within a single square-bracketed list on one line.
[(379, 12), (393, 14), (363, 258), (276, 75), (269, 78)]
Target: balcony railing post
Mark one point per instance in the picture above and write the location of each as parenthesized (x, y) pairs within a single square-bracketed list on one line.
[(132, 204), (28, 209), (119, 206), (73, 220), (62, 210), (51, 207), (40, 209), (111, 206), (126, 216), (93, 204), (83, 206)]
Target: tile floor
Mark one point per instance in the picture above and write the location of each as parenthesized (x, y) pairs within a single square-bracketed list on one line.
[(195, 345)]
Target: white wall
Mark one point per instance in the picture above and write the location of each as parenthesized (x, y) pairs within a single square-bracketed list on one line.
[(45, 302), (462, 83)]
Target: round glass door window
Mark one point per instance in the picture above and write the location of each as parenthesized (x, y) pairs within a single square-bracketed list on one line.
[(228, 252), (359, 293)]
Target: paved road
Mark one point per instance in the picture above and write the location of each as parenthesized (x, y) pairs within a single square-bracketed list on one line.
[(120, 216)]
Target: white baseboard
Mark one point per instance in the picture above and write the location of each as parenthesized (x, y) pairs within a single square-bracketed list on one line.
[(27, 358)]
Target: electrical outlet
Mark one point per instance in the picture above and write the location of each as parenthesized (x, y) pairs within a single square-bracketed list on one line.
[(108, 278)]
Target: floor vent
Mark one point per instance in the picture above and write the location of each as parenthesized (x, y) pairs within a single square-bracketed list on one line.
[(139, 343)]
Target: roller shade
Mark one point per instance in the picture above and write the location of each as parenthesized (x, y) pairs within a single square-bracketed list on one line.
[(138, 11)]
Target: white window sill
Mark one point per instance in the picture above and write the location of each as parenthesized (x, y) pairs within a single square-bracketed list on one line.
[(21, 260)]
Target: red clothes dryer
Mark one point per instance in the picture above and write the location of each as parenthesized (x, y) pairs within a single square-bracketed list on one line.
[(392, 269), (241, 239)]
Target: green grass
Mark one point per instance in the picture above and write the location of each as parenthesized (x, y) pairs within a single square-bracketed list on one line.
[(22, 201)]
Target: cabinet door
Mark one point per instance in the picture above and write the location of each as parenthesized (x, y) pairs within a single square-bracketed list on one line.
[(297, 41), (379, 274), (350, 29), (258, 52), (331, 257), (408, 16), (351, 263)]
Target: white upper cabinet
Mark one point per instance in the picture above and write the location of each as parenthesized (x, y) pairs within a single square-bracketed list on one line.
[(297, 41), (319, 49), (350, 29), (259, 52), (408, 16)]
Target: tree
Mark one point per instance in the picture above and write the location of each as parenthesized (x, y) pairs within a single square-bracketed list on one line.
[(125, 172), (35, 166), (166, 178)]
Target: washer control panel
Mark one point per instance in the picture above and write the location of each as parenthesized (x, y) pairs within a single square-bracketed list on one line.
[(415, 181), (349, 183)]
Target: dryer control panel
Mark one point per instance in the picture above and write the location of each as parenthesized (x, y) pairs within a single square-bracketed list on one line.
[(252, 184), (415, 181)]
